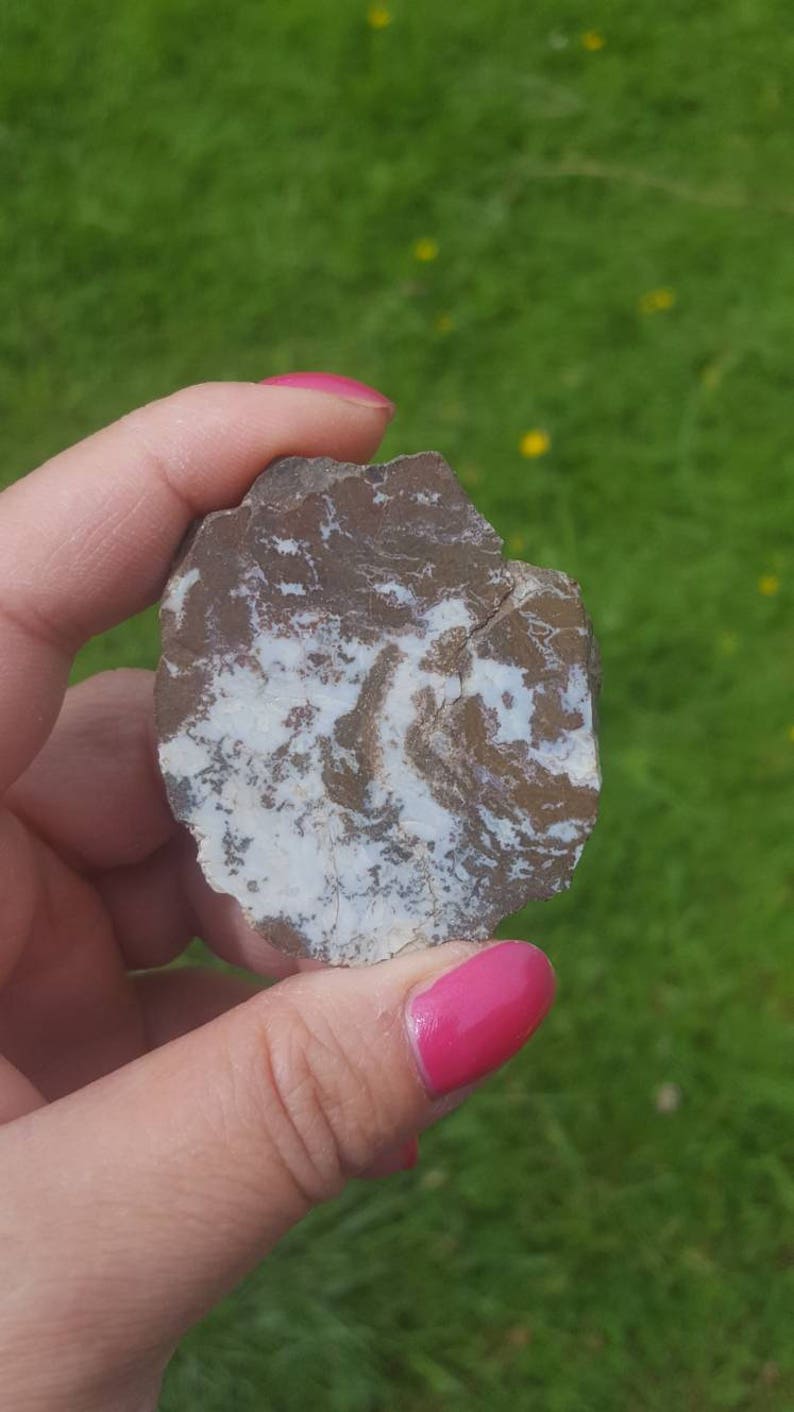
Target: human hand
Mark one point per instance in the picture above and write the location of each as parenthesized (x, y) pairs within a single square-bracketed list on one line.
[(162, 1128)]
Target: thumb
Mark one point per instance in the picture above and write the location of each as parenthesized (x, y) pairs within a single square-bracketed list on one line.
[(153, 1190)]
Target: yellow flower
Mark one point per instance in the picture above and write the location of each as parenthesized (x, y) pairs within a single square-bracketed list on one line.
[(656, 301), (592, 40), (425, 249), (790, 734), (534, 443), (444, 323), (516, 543), (769, 585), (378, 16)]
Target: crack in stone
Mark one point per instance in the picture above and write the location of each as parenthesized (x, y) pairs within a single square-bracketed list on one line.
[(473, 635)]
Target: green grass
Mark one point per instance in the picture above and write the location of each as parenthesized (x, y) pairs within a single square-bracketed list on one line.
[(192, 191)]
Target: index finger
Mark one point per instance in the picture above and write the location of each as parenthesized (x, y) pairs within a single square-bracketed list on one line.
[(87, 539)]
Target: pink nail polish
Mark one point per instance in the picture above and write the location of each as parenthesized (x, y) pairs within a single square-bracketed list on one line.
[(471, 1020), (349, 389), (401, 1160), (405, 1158), (409, 1155)]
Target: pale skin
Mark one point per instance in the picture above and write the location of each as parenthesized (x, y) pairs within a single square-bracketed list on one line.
[(161, 1130)]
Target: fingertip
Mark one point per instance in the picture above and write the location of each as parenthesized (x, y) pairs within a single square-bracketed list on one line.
[(471, 1019), (335, 385), (402, 1159)]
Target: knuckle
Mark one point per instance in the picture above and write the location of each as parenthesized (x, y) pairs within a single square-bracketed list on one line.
[(321, 1108)]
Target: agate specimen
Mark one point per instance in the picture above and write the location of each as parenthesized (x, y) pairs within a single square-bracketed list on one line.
[(379, 732)]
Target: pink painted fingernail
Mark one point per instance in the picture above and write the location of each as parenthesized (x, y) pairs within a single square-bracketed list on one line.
[(471, 1020), (401, 1160), (409, 1155), (349, 389)]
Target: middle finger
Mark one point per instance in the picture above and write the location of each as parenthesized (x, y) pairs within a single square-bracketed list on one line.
[(158, 906)]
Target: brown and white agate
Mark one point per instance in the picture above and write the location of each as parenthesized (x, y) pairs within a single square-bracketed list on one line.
[(379, 732)]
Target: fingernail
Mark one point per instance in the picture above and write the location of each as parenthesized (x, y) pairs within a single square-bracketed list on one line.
[(403, 1159), (349, 389), (409, 1155), (471, 1020)]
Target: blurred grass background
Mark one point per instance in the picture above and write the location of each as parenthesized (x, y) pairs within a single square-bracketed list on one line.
[(513, 218)]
